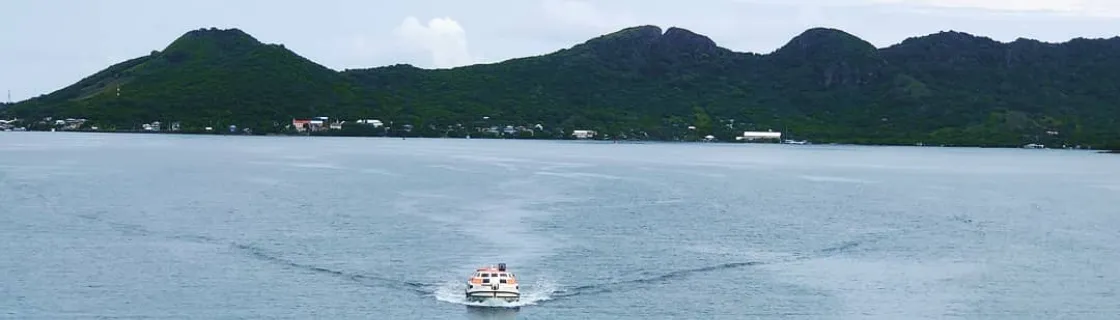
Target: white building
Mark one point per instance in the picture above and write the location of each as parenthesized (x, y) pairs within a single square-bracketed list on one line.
[(374, 122), (583, 134), (760, 135)]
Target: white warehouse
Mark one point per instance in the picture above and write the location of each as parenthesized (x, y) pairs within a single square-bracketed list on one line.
[(760, 135)]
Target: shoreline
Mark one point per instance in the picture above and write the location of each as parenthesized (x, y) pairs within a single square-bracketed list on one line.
[(602, 141)]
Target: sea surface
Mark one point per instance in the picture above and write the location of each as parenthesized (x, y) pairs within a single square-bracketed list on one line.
[(140, 226)]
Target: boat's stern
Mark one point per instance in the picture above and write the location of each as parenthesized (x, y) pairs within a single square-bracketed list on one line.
[(490, 294)]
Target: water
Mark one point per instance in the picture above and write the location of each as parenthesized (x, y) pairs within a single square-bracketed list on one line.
[(206, 227)]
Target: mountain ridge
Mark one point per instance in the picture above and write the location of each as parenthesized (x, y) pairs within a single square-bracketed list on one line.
[(640, 82), (947, 31)]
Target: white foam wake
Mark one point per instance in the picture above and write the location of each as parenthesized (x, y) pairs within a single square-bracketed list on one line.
[(541, 290)]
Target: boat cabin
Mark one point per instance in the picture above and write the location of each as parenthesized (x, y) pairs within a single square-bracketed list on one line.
[(493, 275)]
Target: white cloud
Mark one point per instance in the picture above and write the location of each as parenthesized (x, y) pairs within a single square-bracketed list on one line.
[(443, 38)]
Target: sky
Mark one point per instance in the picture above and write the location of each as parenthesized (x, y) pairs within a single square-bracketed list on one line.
[(46, 45)]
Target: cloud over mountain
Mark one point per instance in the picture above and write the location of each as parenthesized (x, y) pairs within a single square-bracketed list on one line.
[(443, 38)]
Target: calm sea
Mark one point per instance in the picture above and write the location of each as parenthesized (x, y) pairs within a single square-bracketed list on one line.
[(208, 227)]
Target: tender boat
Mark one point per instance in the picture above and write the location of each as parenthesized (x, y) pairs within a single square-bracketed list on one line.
[(493, 283)]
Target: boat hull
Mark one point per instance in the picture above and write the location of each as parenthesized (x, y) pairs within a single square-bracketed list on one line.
[(492, 295)]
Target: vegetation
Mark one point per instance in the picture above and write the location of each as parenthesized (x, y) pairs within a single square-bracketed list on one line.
[(825, 85)]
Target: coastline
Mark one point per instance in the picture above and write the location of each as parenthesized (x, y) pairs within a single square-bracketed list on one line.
[(603, 141)]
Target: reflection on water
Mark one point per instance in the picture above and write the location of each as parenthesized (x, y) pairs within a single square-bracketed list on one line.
[(492, 313)]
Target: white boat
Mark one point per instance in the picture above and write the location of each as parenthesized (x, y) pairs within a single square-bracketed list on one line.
[(493, 283)]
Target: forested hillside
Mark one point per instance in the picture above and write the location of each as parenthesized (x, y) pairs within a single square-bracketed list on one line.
[(638, 83)]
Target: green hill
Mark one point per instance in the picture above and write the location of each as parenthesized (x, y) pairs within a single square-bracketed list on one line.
[(206, 77), (642, 82)]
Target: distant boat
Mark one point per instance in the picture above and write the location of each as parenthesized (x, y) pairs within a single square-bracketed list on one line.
[(1034, 146), (798, 142)]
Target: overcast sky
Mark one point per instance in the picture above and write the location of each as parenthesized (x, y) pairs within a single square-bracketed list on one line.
[(48, 44)]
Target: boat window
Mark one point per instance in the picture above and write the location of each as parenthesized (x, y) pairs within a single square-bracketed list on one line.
[(503, 281), (485, 280), (503, 275)]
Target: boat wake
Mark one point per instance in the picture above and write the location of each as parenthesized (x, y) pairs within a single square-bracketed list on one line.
[(623, 285), (452, 292)]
